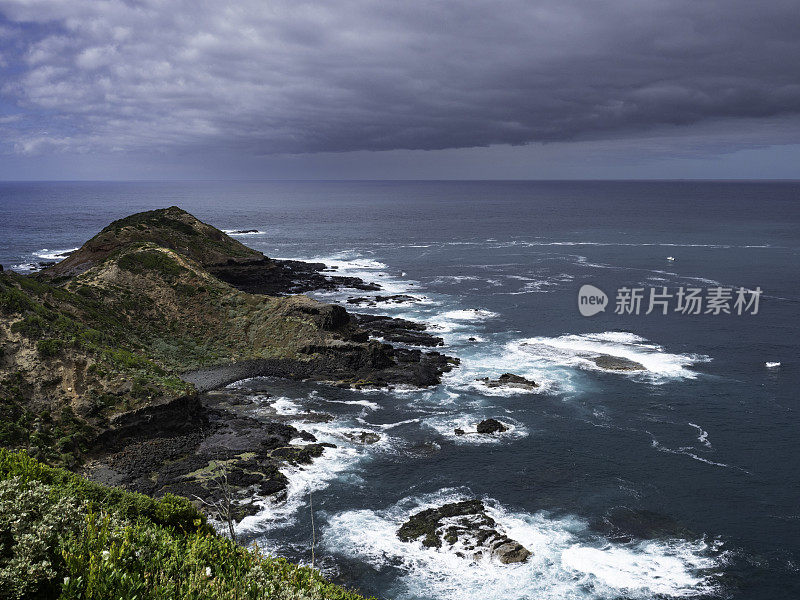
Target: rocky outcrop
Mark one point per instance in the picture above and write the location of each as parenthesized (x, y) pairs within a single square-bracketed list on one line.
[(274, 277), (485, 427), (187, 447), (464, 527), (617, 363), (490, 426), (401, 331), (509, 380), (224, 257), (363, 437), (394, 299)]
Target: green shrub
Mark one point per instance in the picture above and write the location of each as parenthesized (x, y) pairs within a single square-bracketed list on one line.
[(170, 511), (33, 527), (51, 347), (80, 540), (150, 260), (32, 325), (13, 300)]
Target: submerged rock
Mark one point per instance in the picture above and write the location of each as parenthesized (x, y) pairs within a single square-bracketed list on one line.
[(617, 363), (467, 528), (627, 524), (510, 380), (363, 437)]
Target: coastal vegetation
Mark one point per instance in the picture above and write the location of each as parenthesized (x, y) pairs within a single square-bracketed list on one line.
[(99, 363), (67, 538)]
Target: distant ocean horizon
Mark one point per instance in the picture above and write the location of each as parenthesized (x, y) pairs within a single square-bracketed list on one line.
[(705, 440)]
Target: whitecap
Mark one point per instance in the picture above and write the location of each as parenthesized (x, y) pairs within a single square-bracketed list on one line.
[(580, 350), (666, 569), (567, 561), (703, 435), (364, 403), (240, 232), (689, 452), (47, 254), (25, 267), (446, 425)]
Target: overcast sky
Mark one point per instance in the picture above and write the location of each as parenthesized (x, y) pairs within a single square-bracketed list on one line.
[(172, 89)]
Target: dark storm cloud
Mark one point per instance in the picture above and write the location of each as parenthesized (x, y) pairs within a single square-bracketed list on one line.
[(295, 77)]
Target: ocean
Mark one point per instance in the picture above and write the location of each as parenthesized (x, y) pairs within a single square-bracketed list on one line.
[(705, 440)]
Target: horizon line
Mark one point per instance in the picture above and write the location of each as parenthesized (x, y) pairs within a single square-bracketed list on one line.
[(411, 180)]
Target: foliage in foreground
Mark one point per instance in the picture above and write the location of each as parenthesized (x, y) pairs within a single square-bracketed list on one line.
[(64, 537)]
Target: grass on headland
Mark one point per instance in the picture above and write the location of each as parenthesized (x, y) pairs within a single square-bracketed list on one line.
[(63, 537)]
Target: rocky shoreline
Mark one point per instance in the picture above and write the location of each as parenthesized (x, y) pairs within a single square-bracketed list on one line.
[(99, 338), (208, 448)]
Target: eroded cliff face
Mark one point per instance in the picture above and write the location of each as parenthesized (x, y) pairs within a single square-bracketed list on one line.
[(149, 310)]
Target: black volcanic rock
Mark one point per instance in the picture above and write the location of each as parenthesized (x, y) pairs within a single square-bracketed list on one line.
[(273, 277), (617, 363), (510, 380), (401, 331), (490, 426), (395, 299), (363, 437), (465, 523)]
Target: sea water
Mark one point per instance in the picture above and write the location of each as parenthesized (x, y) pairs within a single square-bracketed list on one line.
[(707, 435)]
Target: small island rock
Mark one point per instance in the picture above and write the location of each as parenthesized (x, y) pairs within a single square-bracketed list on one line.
[(489, 426), (466, 523), (510, 380), (617, 363)]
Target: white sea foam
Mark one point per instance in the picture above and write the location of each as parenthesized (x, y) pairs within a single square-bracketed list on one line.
[(772, 365), (689, 451), (339, 463), (446, 425), (284, 406), (47, 254), (24, 267), (524, 243), (355, 264), (239, 232), (649, 568), (567, 561), (541, 284), (579, 350), (458, 320), (470, 314), (364, 403), (385, 426), (702, 435), (492, 360)]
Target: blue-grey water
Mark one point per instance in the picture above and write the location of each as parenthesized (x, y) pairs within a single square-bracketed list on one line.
[(708, 436)]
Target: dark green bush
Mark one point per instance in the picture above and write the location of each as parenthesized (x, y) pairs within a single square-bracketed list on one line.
[(150, 260), (51, 347)]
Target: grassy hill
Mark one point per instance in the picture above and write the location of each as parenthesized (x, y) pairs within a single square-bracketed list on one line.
[(113, 327)]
